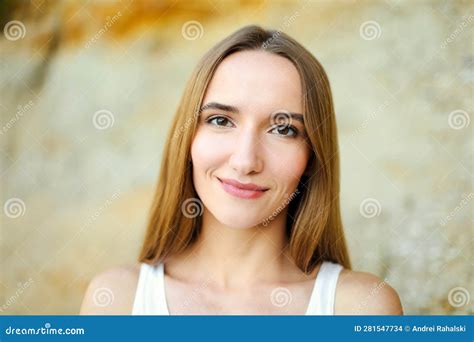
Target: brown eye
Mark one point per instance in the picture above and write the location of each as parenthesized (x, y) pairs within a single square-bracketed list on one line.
[(221, 121), (286, 130)]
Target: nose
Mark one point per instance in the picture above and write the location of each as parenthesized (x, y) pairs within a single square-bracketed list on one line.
[(245, 158)]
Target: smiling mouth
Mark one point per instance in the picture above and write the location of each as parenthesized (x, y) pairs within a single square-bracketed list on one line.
[(237, 191)]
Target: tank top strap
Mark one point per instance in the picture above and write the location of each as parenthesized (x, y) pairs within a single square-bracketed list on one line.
[(150, 294), (324, 291), (150, 298)]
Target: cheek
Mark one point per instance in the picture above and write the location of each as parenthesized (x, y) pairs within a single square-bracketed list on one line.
[(201, 153), (289, 165), (207, 152)]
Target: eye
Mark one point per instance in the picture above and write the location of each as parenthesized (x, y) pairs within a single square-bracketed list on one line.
[(286, 130), (221, 121)]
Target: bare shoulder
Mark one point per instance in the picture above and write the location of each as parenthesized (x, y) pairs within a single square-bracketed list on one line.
[(362, 293), (112, 292)]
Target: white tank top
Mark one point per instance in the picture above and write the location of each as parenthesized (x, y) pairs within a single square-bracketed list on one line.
[(150, 296)]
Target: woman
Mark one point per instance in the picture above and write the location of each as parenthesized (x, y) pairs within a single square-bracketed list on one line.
[(246, 217)]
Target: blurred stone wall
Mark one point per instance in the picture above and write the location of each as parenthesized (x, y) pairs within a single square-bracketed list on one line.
[(88, 90)]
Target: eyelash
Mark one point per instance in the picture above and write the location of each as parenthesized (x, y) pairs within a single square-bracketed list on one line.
[(296, 132)]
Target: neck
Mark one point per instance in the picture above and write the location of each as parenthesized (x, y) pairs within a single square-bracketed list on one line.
[(241, 257)]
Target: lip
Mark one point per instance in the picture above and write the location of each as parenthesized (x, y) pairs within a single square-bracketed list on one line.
[(241, 190)]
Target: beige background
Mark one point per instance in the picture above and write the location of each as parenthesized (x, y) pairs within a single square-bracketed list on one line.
[(75, 198)]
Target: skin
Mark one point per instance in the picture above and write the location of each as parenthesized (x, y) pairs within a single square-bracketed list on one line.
[(233, 248), (241, 262)]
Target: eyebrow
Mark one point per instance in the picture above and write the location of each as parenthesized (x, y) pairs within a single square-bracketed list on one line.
[(232, 109)]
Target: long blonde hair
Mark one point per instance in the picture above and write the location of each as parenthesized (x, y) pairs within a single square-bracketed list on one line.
[(314, 225)]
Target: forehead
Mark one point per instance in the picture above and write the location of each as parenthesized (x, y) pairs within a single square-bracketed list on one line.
[(256, 81)]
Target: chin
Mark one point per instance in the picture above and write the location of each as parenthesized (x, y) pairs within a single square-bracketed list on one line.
[(238, 221)]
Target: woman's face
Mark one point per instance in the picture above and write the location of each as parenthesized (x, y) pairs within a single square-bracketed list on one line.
[(248, 132)]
